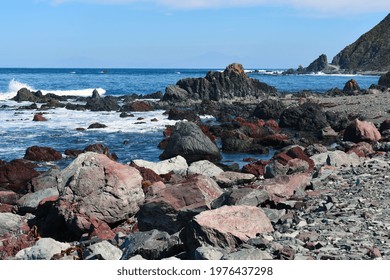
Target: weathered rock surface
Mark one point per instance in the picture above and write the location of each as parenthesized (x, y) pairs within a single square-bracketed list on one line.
[(368, 53), (102, 251), (10, 223), (227, 227), (190, 142), (151, 245), (36, 153), (176, 164), (204, 167), (231, 83), (384, 80), (95, 186), (44, 249), (269, 109), (16, 174), (30, 201), (359, 131), (172, 207)]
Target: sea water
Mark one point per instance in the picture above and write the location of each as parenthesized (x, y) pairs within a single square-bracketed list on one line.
[(130, 138)]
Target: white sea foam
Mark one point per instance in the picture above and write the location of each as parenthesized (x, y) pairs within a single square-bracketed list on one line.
[(14, 86)]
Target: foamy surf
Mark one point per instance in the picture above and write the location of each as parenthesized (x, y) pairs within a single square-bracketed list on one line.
[(14, 86)]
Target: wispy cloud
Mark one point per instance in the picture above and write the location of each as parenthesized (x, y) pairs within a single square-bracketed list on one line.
[(329, 6)]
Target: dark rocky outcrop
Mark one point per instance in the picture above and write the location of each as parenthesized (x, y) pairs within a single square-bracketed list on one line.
[(371, 52), (16, 174), (384, 80), (189, 115), (36, 153), (97, 103), (318, 65), (351, 86), (190, 142), (269, 109), (231, 83)]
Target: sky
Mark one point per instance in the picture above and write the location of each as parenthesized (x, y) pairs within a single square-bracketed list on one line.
[(180, 34)]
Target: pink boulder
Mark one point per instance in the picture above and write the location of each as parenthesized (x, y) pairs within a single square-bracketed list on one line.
[(359, 131)]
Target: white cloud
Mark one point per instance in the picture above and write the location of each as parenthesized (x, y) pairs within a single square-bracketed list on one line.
[(328, 6)]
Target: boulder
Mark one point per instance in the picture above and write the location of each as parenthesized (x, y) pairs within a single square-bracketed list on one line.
[(100, 149), (283, 187), (362, 149), (208, 253), (359, 131), (97, 125), (93, 186), (8, 197), (229, 84), (248, 254), (204, 167), (176, 164), (39, 118), (46, 180), (36, 153), (256, 168), (190, 142), (336, 159), (269, 109), (385, 125), (247, 196), (230, 178), (306, 117), (137, 106), (16, 174), (384, 80), (351, 86), (29, 202), (227, 227), (318, 65), (108, 103), (172, 207), (102, 251), (10, 223), (189, 115), (151, 245), (44, 249)]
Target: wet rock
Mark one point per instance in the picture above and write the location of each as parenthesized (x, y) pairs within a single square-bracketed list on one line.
[(16, 174), (108, 103), (172, 207), (229, 84), (95, 186), (227, 227), (384, 80), (97, 125), (102, 251), (359, 131), (39, 118), (100, 149), (204, 167), (44, 249), (189, 115), (190, 142), (175, 164), (36, 153), (151, 245), (138, 106), (351, 86)]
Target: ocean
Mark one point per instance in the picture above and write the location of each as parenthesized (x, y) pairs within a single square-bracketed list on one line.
[(128, 138)]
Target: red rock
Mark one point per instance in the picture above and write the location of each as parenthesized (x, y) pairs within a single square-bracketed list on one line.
[(168, 131), (359, 131), (229, 226), (283, 158), (283, 187), (374, 253), (8, 197), (7, 208), (362, 149), (16, 174), (100, 230), (36, 153), (297, 152), (10, 245), (147, 174), (139, 106), (96, 187), (256, 168), (39, 118), (100, 149), (162, 210), (273, 125)]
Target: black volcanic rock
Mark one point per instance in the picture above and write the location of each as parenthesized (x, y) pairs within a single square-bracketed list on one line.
[(269, 109), (384, 80), (371, 52), (318, 65), (232, 82)]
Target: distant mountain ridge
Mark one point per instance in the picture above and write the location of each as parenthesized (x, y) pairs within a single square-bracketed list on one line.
[(371, 52)]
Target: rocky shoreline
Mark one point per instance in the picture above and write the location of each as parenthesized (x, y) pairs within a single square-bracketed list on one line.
[(323, 195)]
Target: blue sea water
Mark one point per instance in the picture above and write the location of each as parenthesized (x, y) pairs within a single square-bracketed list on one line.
[(128, 138)]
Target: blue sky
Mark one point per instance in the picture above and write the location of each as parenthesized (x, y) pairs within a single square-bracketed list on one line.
[(179, 33)]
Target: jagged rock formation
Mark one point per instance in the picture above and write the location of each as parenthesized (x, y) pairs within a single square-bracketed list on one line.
[(384, 80), (318, 65), (371, 52), (231, 83)]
